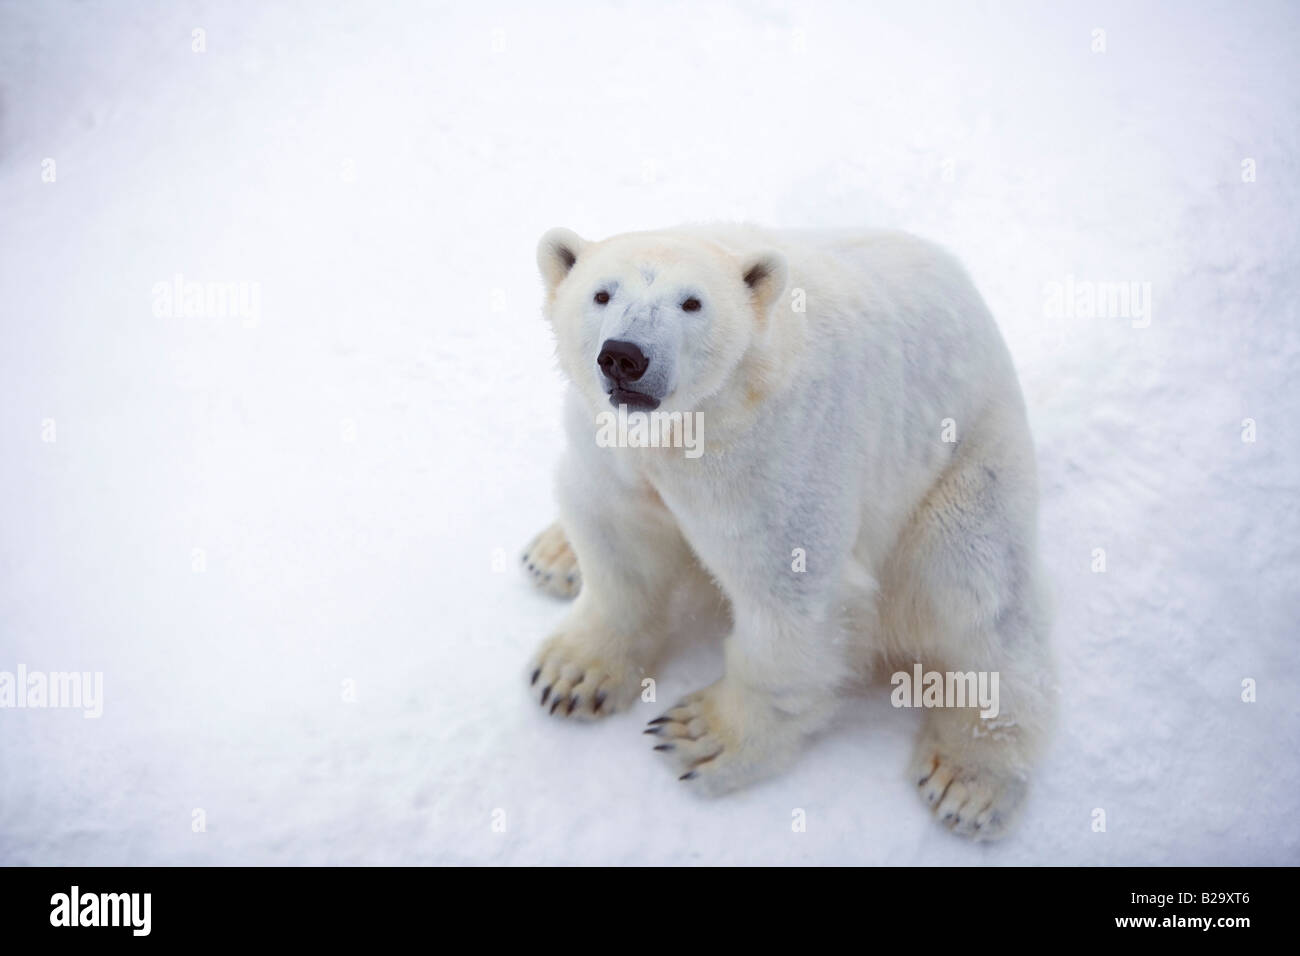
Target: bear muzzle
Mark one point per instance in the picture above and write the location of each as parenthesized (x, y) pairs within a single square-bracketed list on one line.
[(621, 363)]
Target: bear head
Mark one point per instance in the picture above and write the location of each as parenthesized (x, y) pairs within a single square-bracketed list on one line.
[(655, 320)]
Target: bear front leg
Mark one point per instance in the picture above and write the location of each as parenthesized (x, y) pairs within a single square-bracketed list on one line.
[(973, 770), (631, 554), (781, 685)]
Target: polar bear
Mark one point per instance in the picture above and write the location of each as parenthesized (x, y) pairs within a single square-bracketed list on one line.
[(864, 497)]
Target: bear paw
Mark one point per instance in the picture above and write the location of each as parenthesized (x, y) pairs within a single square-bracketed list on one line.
[(551, 563), (572, 679), (970, 800), (702, 741)]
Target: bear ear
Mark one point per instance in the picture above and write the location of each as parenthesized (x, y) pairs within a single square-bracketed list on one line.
[(557, 252), (765, 275)]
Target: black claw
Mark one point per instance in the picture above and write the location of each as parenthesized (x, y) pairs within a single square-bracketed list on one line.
[(546, 695), (558, 701), (658, 720), (689, 775), (600, 702), (666, 747), (573, 702), (536, 674), (653, 731)]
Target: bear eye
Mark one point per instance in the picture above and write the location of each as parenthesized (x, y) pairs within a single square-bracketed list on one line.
[(691, 305), (602, 297)]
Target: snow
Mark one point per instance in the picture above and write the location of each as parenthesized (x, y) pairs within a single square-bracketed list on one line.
[(383, 172)]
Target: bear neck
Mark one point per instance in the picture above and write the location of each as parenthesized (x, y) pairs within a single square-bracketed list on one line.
[(762, 375)]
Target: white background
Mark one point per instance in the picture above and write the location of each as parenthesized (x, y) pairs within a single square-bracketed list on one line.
[(384, 172)]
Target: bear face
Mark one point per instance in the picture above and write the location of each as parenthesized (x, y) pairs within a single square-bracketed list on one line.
[(654, 321)]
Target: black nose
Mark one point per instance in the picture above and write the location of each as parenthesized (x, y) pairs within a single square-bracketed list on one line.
[(622, 362)]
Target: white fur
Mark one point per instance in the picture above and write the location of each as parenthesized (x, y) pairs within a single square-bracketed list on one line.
[(823, 431)]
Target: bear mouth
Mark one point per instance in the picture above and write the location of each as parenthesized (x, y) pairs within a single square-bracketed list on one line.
[(638, 401)]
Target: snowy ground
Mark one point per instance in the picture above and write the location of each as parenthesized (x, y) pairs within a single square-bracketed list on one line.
[(231, 519)]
